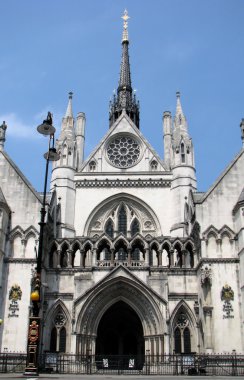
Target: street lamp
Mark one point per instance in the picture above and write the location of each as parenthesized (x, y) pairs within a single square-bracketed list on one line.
[(33, 339)]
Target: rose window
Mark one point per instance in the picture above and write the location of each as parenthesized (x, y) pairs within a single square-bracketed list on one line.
[(123, 152)]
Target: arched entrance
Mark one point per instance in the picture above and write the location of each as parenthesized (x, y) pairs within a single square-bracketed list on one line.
[(120, 317), (120, 332)]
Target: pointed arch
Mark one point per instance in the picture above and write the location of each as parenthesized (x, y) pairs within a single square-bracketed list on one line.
[(31, 232), (141, 210), (109, 228), (122, 219), (135, 227), (108, 293), (183, 328), (210, 231), (57, 328)]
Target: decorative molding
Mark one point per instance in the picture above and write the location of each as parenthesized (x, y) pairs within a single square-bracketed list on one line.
[(184, 296), (55, 295), (123, 183), (19, 260), (217, 260)]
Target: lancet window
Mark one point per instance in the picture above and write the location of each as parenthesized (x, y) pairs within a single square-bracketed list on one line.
[(135, 227), (122, 220), (58, 333), (182, 334), (109, 228), (182, 152)]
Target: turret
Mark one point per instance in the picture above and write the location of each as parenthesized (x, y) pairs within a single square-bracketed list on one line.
[(63, 171), (167, 128), (183, 167), (80, 138), (126, 98)]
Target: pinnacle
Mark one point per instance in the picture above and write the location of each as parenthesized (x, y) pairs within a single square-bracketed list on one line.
[(69, 112)]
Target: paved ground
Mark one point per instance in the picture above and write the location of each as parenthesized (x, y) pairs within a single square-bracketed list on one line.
[(112, 377)]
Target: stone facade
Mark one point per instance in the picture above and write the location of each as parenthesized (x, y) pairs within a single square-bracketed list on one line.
[(135, 259)]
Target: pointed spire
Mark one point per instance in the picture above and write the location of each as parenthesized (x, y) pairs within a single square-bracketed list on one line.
[(180, 120), (125, 99), (67, 128), (69, 112)]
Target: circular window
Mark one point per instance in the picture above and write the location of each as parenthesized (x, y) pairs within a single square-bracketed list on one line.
[(123, 151)]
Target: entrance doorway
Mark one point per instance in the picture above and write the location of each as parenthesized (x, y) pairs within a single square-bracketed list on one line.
[(120, 332)]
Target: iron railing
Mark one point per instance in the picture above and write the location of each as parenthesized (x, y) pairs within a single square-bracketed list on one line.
[(12, 362), (190, 364)]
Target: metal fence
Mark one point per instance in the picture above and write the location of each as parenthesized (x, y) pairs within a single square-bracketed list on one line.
[(12, 362), (191, 364)]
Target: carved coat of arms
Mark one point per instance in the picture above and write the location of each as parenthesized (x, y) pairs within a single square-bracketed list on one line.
[(15, 293), (227, 294)]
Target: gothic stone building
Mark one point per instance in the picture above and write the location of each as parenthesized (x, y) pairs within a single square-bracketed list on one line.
[(136, 260)]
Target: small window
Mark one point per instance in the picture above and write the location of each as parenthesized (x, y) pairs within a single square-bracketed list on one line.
[(154, 165), (92, 166), (182, 151)]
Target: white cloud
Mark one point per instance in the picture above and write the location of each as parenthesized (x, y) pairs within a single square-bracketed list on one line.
[(17, 128)]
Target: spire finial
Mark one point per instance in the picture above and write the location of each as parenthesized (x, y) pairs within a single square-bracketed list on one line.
[(3, 128), (69, 112), (242, 131), (125, 17), (179, 112)]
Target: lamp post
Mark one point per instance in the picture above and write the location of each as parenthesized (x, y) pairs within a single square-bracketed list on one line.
[(33, 339)]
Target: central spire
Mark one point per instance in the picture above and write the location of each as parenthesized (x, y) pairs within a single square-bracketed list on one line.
[(125, 99)]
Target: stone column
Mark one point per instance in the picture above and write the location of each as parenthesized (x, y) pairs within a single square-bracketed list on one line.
[(23, 244), (112, 256), (183, 255), (94, 257), (171, 258), (58, 257), (160, 257), (147, 256), (129, 256), (82, 258), (208, 323), (69, 253)]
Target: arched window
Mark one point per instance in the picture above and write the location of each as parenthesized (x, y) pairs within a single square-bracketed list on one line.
[(182, 333), (109, 228), (135, 227), (53, 340), (122, 254), (154, 165), (177, 341), (58, 332), (187, 340), (135, 255), (62, 340), (122, 220), (92, 166), (182, 151)]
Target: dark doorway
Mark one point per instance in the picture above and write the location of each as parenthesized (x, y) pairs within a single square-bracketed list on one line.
[(120, 332)]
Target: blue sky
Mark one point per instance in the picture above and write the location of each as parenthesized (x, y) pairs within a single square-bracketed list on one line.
[(51, 47)]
